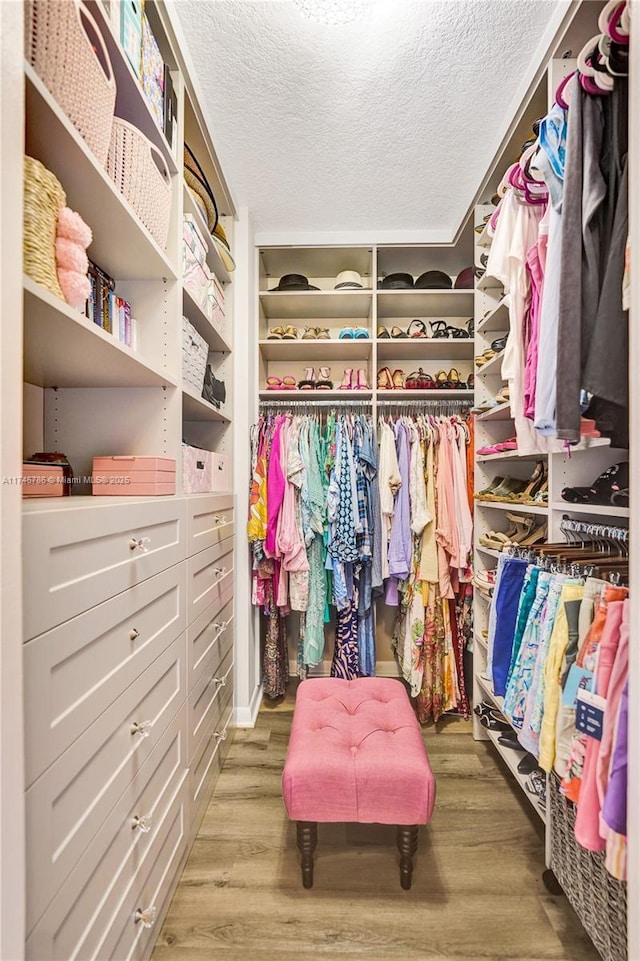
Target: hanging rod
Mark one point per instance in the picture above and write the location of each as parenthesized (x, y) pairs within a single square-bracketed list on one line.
[(288, 404), (594, 530), (428, 404)]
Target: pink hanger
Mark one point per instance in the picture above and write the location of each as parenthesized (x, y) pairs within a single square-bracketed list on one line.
[(590, 86), (614, 22), (559, 98)]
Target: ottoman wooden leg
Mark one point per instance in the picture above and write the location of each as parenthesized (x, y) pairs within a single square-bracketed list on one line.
[(307, 840), (407, 840)]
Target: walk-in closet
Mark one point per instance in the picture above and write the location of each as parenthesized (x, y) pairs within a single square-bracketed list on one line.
[(319, 443)]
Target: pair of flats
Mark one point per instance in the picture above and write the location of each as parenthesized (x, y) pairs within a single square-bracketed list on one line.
[(491, 718)]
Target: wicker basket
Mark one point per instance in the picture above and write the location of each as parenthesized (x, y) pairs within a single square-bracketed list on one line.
[(141, 174), (43, 200), (597, 898), (61, 50), (195, 353)]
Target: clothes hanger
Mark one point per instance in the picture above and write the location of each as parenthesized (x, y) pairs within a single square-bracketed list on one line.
[(559, 95)]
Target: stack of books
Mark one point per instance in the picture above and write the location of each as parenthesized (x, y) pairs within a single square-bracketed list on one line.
[(108, 311)]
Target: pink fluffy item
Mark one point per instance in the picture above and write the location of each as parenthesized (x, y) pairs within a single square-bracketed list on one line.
[(72, 226), (75, 287), (71, 255)]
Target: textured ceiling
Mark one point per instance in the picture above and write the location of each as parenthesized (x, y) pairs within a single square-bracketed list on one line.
[(387, 124)]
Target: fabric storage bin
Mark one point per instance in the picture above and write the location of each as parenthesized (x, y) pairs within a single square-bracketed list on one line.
[(42, 201), (133, 476), (141, 174), (220, 473), (196, 470), (42, 480), (195, 278), (195, 352), (61, 44), (216, 301), (194, 240)]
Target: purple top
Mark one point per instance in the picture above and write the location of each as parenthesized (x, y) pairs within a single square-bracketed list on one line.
[(400, 542), (275, 488), (614, 809)]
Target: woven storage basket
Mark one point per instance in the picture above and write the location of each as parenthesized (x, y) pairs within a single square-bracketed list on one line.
[(195, 353), (43, 200), (60, 50), (144, 181), (597, 898)]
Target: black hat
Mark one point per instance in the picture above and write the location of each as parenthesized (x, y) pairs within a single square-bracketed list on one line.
[(396, 282), (434, 280), (294, 282)]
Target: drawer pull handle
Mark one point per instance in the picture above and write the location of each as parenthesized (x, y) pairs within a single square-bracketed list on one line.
[(139, 544), (222, 681), (220, 571), (221, 735), (220, 520), (143, 824), (133, 634), (146, 916), (143, 728)]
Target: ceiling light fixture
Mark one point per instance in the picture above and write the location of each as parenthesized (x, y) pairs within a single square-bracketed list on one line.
[(331, 11)]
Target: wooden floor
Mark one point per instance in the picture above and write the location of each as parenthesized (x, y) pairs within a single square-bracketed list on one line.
[(477, 889)]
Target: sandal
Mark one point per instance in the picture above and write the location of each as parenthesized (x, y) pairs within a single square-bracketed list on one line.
[(323, 333), (309, 381), (471, 326), (346, 333), (323, 382), (288, 382), (438, 328), (396, 333), (310, 333), (417, 328), (290, 333), (382, 333), (361, 333), (398, 379), (456, 332), (442, 380), (454, 378), (275, 333), (385, 379), (274, 383)]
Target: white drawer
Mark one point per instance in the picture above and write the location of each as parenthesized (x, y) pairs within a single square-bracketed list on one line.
[(204, 772), (210, 519), (97, 886), (209, 575), (154, 883), (68, 804), (75, 558), (206, 699), (75, 671), (207, 633)]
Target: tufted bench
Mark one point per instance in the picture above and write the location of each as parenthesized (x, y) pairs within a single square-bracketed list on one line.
[(356, 754)]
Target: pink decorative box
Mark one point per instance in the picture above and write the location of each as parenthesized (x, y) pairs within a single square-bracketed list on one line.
[(42, 480), (195, 278), (133, 476), (196, 470), (194, 239), (216, 301), (220, 473)]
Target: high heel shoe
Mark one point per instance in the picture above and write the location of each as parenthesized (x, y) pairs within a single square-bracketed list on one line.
[(535, 482), (309, 380), (323, 382), (347, 380), (385, 379), (361, 380), (398, 379)]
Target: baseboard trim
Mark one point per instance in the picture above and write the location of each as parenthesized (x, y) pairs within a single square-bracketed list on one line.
[(383, 669), (247, 716)]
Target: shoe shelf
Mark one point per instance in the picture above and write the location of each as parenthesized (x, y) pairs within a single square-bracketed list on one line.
[(515, 507), (52, 139), (482, 641), (195, 408), (492, 368), (439, 348), (443, 394), (316, 304), (56, 337), (510, 455), (214, 260), (424, 303), (484, 238), (587, 443), (501, 412), (497, 321), (347, 349), (594, 510), (491, 551), (320, 264), (314, 395), (202, 324), (487, 282)]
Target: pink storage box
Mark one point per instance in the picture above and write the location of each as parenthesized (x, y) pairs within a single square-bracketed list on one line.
[(194, 239), (42, 480), (196, 470), (133, 476), (220, 474), (196, 279), (216, 301)]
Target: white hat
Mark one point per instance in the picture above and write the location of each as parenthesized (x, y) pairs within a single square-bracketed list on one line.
[(348, 278)]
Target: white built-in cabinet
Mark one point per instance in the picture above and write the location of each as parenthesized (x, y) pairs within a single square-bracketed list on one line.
[(120, 643)]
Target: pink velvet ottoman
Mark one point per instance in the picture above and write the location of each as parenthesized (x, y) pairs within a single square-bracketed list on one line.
[(356, 754)]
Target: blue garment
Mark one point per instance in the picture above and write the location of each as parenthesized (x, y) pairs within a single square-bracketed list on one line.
[(506, 600), (492, 615)]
